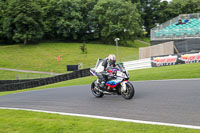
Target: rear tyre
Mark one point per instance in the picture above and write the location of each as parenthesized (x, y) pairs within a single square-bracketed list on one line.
[(96, 92), (130, 91)]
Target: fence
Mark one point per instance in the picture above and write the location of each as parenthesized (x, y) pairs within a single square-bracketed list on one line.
[(163, 60), (138, 64), (160, 49), (10, 85), (181, 34)]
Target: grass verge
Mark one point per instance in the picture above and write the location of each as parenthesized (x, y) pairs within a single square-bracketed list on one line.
[(184, 71), (11, 75), (13, 121)]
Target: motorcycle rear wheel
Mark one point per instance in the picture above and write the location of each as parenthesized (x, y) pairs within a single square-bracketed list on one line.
[(130, 91), (96, 92)]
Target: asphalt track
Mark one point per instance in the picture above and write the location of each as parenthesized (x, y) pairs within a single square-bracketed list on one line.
[(173, 101)]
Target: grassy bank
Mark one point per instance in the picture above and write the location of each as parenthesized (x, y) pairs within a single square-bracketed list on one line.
[(42, 57), (13, 121), (145, 39)]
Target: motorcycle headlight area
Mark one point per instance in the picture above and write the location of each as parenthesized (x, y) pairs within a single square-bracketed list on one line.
[(121, 74)]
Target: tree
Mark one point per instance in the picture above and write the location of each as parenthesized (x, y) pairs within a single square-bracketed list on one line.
[(116, 19), (160, 13), (177, 7), (86, 31), (151, 12), (2, 12), (23, 21), (50, 16), (70, 19)]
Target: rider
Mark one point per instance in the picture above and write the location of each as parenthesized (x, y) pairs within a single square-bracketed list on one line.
[(104, 76)]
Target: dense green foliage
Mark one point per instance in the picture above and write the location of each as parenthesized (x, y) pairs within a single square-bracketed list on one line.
[(177, 7), (79, 20), (117, 19), (83, 20), (157, 11), (23, 21)]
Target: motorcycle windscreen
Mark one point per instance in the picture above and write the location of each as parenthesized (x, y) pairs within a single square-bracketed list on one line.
[(99, 67)]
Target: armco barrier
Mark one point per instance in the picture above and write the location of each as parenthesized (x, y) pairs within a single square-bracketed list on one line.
[(13, 81), (138, 64), (10, 85)]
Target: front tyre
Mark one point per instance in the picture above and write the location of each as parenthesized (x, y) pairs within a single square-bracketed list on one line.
[(95, 91), (130, 91)]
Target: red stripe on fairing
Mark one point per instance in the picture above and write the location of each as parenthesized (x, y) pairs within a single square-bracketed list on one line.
[(112, 86), (110, 71)]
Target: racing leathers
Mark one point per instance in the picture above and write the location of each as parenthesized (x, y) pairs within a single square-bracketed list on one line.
[(105, 75)]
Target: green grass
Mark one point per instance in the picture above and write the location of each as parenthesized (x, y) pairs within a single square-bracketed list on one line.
[(18, 121), (159, 73), (42, 57), (137, 44), (145, 39), (11, 75), (167, 72)]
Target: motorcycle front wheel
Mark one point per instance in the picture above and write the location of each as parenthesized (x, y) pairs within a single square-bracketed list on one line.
[(130, 91), (95, 91)]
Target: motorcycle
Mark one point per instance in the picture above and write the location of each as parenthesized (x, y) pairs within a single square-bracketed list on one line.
[(118, 85)]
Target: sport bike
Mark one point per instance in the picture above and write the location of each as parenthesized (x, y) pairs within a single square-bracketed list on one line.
[(117, 85)]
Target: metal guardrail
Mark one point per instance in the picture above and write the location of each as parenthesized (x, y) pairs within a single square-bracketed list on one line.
[(138, 64), (10, 85)]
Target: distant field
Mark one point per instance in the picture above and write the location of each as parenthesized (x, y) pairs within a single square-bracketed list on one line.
[(42, 57)]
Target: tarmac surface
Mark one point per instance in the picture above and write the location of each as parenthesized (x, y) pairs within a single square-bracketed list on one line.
[(172, 101)]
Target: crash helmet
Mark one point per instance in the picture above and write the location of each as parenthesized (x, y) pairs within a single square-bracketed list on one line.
[(111, 59)]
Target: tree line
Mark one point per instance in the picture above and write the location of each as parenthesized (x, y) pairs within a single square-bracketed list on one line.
[(82, 20)]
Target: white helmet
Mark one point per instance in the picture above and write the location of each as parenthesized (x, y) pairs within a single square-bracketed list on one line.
[(112, 59)]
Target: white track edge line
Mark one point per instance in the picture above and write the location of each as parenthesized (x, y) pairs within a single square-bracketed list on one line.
[(108, 118)]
